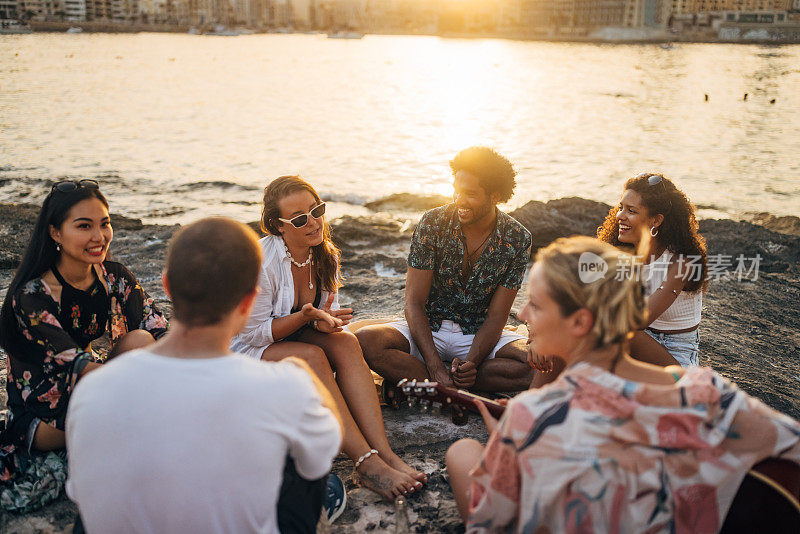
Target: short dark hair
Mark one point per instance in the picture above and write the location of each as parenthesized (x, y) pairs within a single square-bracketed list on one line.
[(494, 172), (212, 265)]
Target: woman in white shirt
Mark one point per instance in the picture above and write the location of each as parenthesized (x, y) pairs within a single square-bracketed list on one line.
[(297, 313), (655, 214)]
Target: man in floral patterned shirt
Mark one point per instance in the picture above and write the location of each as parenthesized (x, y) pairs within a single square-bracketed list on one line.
[(465, 267)]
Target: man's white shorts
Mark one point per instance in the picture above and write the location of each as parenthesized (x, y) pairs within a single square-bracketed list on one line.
[(451, 342)]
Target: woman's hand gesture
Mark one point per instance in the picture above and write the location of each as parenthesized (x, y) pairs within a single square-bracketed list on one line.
[(489, 421), (327, 320), (323, 321), (343, 314)]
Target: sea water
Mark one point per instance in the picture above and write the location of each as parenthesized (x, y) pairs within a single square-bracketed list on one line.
[(180, 126)]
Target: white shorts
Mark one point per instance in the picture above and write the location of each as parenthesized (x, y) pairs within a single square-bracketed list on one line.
[(451, 342)]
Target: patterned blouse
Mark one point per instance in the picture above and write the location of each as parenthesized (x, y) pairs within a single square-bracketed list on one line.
[(593, 452), (438, 245), (40, 377)]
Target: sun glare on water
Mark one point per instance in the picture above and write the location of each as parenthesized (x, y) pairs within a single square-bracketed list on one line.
[(465, 90)]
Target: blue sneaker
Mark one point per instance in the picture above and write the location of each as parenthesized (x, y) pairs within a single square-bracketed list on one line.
[(335, 500)]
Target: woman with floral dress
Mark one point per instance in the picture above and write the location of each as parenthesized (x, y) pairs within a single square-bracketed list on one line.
[(64, 295)]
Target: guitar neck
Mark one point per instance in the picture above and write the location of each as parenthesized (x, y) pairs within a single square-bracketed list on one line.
[(467, 400), (435, 395)]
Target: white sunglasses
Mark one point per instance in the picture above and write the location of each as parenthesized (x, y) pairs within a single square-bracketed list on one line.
[(301, 220)]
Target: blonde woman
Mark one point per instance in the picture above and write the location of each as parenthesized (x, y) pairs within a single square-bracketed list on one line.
[(614, 444), (297, 313)]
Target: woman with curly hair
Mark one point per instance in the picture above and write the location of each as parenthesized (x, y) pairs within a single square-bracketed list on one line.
[(655, 216)]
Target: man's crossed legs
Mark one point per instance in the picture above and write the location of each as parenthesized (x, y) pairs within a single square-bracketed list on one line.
[(391, 352)]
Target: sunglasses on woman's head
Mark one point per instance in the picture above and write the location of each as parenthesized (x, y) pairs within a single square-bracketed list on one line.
[(65, 186), (655, 179), (302, 219)]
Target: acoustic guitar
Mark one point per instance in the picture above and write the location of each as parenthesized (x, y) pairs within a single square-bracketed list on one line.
[(768, 500)]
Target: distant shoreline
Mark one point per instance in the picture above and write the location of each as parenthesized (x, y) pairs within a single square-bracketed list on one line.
[(106, 27)]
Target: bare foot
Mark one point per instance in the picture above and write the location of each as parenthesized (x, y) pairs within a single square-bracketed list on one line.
[(384, 480), (395, 462)]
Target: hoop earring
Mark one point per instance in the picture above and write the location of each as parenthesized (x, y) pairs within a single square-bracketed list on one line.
[(653, 231)]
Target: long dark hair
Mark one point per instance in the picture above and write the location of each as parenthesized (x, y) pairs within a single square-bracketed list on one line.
[(40, 256), (680, 230), (326, 254)]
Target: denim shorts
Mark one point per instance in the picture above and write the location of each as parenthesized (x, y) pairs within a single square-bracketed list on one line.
[(683, 347)]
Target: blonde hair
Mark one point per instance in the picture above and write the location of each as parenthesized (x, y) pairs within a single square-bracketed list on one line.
[(616, 302)]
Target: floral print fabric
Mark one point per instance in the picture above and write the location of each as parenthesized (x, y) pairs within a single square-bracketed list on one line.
[(593, 452), (41, 375), (438, 246), (39, 479)]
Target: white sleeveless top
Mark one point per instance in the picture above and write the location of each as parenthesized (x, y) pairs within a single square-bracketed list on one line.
[(685, 311)]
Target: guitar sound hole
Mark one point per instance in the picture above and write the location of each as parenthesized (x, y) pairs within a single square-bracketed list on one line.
[(458, 416)]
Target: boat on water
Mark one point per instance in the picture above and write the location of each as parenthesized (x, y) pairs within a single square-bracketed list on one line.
[(221, 31), (75, 29), (345, 35), (12, 26)]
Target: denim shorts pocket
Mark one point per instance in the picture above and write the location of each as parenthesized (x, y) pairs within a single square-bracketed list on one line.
[(683, 347)]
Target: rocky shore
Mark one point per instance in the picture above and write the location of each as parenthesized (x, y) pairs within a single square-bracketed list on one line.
[(750, 330)]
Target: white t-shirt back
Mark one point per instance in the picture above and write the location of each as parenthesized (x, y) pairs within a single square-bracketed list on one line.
[(165, 445)]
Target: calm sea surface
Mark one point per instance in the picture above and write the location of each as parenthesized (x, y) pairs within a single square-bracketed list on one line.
[(152, 114)]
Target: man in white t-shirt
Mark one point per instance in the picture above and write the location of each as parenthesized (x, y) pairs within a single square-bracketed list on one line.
[(187, 437)]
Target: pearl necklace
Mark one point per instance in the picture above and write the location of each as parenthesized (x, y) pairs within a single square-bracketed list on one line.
[(300, 265)]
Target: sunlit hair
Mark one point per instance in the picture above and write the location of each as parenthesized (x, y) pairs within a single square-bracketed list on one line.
[(211, 266), (680, 231), (495, 173), (325, 255), (616, 302), (40, 255)]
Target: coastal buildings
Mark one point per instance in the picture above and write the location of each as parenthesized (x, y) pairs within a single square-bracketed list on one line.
[(422, 16), (303, 13), (706, 6), (112, 10), (154, 11), (603, 19), (8, 10), (581, 16), (256, 14), (35, 9), (75, 10)]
